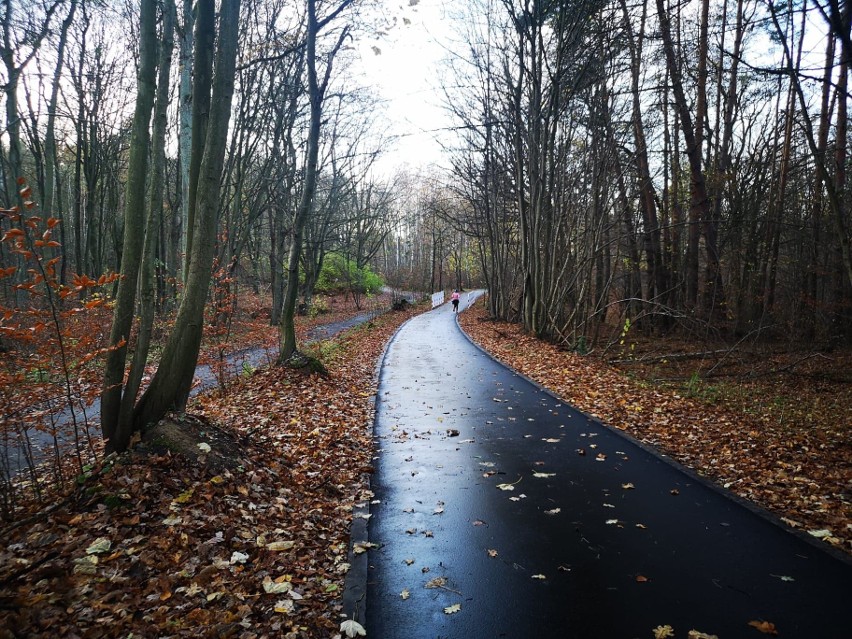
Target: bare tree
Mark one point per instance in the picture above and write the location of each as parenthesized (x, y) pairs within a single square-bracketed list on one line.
[(316, 93)]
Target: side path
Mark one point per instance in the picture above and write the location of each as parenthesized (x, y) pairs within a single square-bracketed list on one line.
[(13, 455), (501, 512)]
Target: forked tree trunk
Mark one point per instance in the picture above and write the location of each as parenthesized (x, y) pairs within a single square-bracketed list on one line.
[(152, 225), (134, 214), (172, 382)]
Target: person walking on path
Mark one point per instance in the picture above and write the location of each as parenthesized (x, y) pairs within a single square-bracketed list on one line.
[(455, 299), (500, 512)]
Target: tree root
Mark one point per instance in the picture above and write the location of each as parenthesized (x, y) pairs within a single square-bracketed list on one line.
[(305, 364)]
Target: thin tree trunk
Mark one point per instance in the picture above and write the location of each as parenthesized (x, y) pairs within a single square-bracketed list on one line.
[(202, 79), (181, 221), (811, 285), (699, 209), (152, 230), (134, 213), (50, 130), (316, 94), (657, 276), (834, 196)]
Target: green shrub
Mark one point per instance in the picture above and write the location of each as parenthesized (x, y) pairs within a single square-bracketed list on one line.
[(341, 274)]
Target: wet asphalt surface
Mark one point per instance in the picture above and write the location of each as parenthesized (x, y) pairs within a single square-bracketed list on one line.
[(608, 541)]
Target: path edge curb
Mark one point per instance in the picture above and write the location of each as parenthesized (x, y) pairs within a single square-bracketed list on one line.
[(354, 598)]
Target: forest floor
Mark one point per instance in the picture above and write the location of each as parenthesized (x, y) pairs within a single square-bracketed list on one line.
[(771, 424), (249, 538), (231, 521)]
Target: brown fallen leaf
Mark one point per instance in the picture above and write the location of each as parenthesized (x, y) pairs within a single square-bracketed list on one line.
[(766, 627)]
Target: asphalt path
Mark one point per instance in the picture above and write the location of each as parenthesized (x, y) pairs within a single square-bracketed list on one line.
[(500, 511)]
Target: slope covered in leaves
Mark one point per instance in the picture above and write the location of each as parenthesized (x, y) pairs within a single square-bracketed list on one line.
[(246, 537), (799, 469)]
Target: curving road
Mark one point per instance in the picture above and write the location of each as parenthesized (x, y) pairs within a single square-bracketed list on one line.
[(537, 521)]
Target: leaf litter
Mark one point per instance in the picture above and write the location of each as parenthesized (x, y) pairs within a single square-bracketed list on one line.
[(181, 546)]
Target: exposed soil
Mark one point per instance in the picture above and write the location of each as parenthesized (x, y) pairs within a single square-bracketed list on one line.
[(196, 439)]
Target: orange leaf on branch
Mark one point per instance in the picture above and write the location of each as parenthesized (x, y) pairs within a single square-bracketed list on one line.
[(11, 233)]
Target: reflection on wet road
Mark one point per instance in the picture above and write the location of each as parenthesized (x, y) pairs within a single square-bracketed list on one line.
[(501, 512)]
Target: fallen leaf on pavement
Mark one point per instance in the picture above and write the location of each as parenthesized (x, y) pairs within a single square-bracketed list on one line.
[(437, 582), (663, 632), (352, 628), (765, 627)]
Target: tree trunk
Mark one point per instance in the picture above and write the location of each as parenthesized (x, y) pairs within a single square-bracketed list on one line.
[(841, 28), (287, 330), (172, 382), (180, 223), (657, 276), (50, 131), (316, 94), (147, 283), (699, 205), (205, 30), (134, 212)]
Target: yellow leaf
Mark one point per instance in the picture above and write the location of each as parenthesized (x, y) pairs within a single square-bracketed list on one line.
[(184, 496)]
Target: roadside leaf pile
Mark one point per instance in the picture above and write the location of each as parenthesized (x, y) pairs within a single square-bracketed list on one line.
[(799, 469), (245, 533)]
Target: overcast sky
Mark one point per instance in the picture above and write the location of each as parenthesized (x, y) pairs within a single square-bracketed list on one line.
[(403, 63)]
